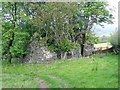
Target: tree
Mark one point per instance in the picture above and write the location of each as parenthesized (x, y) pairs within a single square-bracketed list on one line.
[(54, 22), (11, 8), (92, 38), (90, 13), (20, 42), (60, 26), (16, 19)]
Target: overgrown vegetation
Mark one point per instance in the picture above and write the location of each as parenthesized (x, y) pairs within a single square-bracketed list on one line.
[(60, 26)]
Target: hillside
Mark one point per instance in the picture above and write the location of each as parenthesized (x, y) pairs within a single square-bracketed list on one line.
[(100, 71)]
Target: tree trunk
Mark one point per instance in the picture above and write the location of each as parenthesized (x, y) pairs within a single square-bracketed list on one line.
[(11, 41), (61, 55), (10, 57), (58, 55), (72, 54), (82, 44), (65, 54)]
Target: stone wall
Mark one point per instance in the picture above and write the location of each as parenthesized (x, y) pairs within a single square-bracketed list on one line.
[(38, 53), (75, 53), (88, 49)]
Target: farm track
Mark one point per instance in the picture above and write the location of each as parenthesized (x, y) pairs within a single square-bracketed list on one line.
[(62, 82), (42, 83)]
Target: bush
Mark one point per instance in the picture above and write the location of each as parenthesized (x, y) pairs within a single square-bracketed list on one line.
[(19, 44), (63, 46)]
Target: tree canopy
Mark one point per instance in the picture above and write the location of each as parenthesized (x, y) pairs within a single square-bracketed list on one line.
[(60, 26)]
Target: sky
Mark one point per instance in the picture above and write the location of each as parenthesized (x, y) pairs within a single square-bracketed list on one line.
[(108, 28)]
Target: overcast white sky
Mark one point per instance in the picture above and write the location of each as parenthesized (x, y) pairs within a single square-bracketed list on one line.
[(109, 28)]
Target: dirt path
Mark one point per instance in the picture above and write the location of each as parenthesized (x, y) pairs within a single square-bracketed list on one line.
[(42, 84), (62, 82)]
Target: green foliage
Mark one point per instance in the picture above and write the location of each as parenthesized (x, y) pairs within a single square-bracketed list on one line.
[(88, 14), (19, 44), (16, 25), (97, 11), (7, 36), (92, 12), (58, 25), (56, 28), (63, 46), (92, 38)]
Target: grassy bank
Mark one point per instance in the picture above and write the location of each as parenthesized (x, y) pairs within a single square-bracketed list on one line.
[(99, 71)]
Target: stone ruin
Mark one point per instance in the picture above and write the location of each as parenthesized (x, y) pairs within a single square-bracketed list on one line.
[(88, 49), (38, 53), (74, 53)]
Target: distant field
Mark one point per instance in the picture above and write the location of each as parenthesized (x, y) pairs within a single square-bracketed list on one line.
[(99, 71)]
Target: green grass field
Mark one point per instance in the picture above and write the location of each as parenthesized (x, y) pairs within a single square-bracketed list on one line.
[(99, 71)]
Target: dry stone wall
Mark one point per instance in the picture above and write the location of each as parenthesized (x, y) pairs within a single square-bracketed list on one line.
[(88, 49), (38, 53)]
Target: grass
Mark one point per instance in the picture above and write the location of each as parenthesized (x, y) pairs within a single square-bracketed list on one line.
[(99, 71)]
